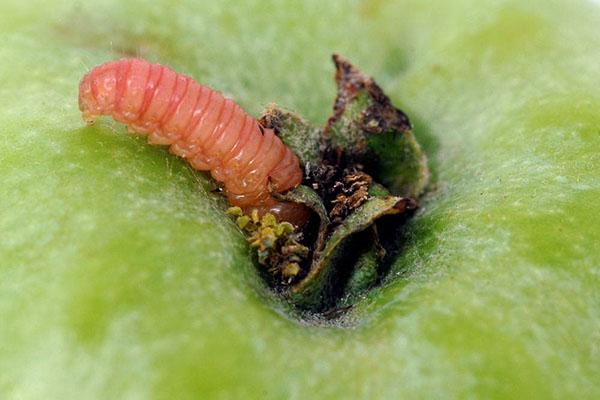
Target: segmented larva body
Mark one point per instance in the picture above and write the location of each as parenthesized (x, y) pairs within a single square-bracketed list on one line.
[(199, 124)]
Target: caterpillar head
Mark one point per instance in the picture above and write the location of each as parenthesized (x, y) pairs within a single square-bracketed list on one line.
[(97, 91)]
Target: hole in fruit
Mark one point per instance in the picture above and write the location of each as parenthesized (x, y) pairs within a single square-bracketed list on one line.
[(364, 172)]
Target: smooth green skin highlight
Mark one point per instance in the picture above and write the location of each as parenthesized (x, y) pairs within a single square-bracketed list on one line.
[(122, 277)]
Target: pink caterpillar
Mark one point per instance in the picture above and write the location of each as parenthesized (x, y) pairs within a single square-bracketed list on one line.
[(212, 132)]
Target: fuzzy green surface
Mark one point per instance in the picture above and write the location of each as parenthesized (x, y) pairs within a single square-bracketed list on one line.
[(121, 276)]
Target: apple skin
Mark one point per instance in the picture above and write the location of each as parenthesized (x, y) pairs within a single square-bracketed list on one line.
[(121, 277)]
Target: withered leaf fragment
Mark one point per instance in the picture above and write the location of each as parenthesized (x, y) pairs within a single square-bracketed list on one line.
[(305, 195), (315, 290), (370, 131)]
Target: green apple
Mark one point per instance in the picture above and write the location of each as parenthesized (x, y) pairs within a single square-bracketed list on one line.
[(122, 277)]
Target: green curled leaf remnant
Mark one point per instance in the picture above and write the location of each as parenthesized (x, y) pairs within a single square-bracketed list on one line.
[(364, 172)]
